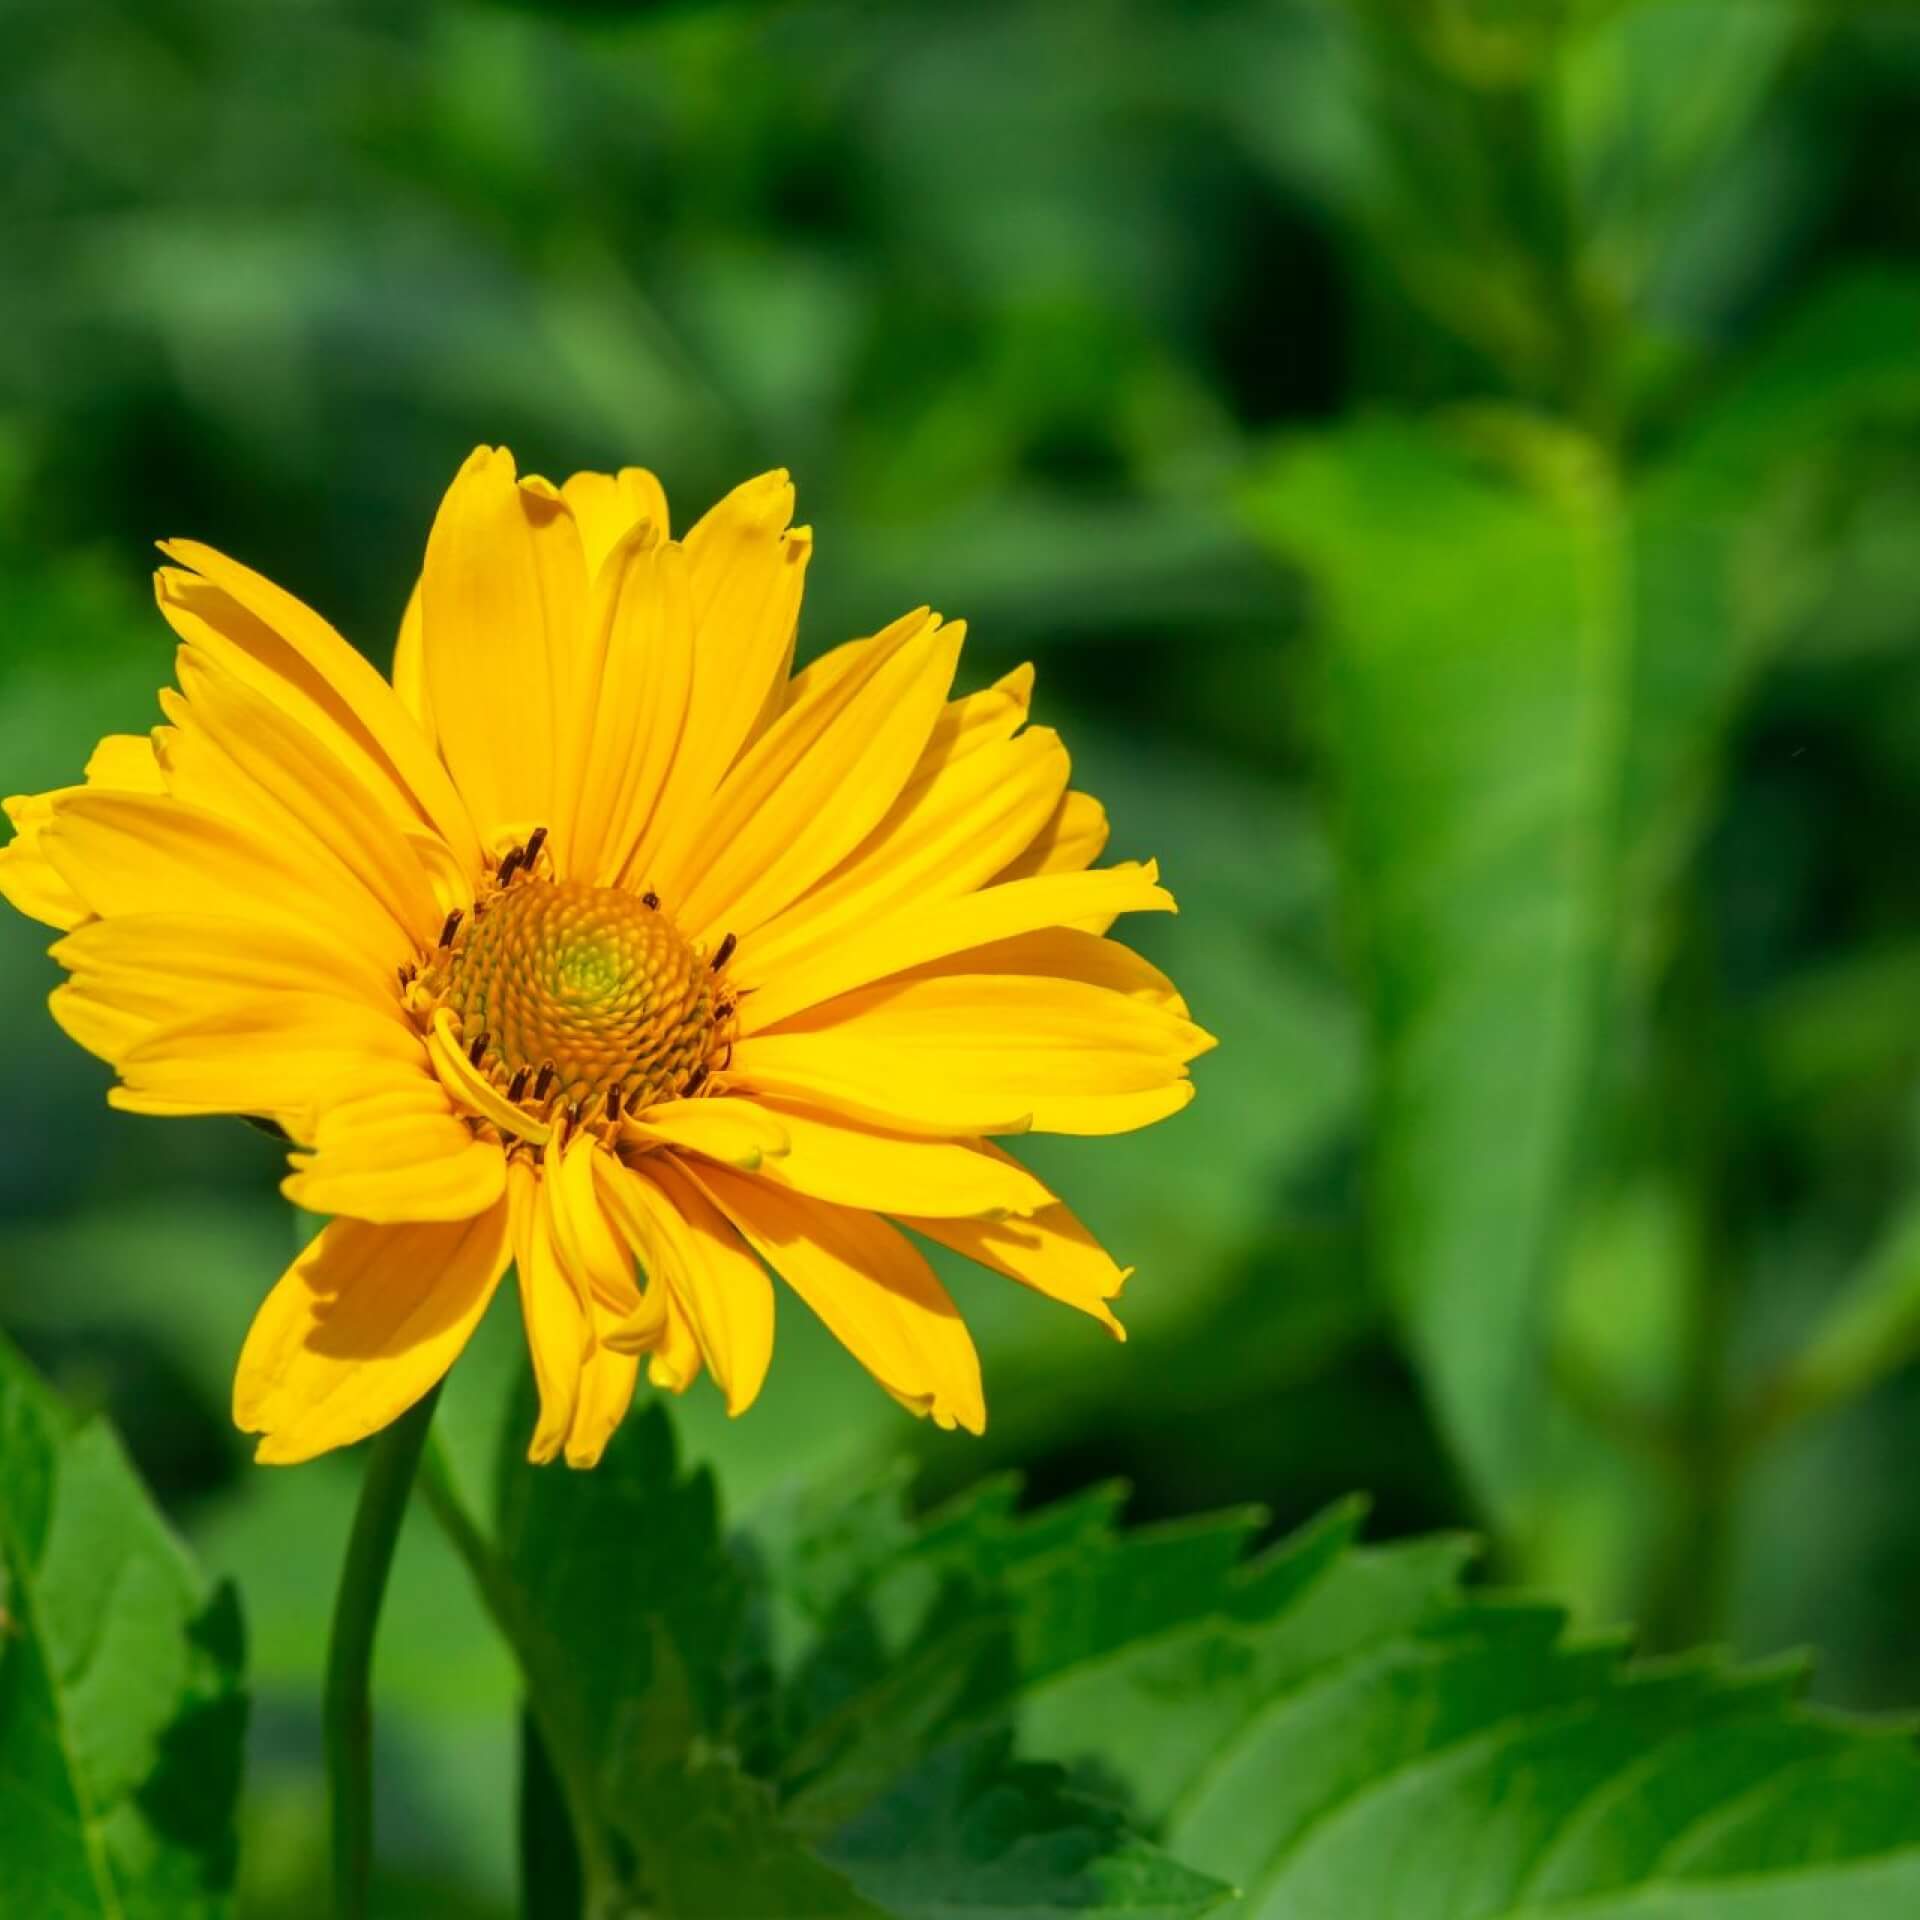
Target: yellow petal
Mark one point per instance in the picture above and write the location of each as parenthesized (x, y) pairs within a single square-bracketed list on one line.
[(142, 853), (874, 1291), (947, 834), (1071, 841), (962, 1049), (125, 761), (283, 1055), (410, 665), (720, 1290), (102, 1024), (642, 609), (919, 933), (319, 792), (809, 790), (608, 506), (397, 1156), (980, 719), (856, 1166), (1050, 1251), (746, 568), (674, 1365), (472, 1090), (159, 967), (452, 884), (858, 1089), (274, 1022), (559, 1333), (749, 566), (600, 1263), (507, 646), (737, 1133), (607, 1382), (285, 651), (363, 1323), (1067, 953), (28, 880)]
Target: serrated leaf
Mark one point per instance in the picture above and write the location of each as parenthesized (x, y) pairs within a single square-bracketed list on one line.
[(718, 1851), (121, 1710), (969, 1833), (626, 1603), (690, 1761), (1349, 1733)]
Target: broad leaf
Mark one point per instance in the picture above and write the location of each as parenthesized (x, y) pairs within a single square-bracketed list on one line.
[(121, 1711), (1530, 662), (1346, 1733)]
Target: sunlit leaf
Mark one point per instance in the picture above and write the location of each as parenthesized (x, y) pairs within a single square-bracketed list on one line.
[(1346, 1732), (121, 1711)]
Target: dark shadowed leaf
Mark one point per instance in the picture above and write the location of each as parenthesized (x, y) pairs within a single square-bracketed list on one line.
[(688, 1691)]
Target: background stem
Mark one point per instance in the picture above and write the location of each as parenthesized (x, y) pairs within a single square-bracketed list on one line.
[(348, 1709)]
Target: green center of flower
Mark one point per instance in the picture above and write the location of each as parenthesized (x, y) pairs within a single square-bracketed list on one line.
[(579, 993)]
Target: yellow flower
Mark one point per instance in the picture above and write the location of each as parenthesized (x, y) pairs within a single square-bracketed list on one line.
[(602, 945)]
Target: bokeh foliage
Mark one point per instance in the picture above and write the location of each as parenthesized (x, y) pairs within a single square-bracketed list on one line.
[(1454, 463)]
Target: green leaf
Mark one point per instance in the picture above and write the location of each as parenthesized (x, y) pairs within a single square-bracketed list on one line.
[(994, 1713), (1872, 1327), (1477, 667), (1530, 662), (1347, 1732), (685, 1691), (971, 1833), (716, 1849), (628, 1603), (121, 1710)]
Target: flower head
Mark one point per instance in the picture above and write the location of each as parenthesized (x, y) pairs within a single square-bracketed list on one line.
[(601, 945)]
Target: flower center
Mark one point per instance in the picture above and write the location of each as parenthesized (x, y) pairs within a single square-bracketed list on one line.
[(569, 996)]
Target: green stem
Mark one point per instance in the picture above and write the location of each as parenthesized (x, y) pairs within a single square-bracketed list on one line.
[(356, 1615), (1699, 1101), (572, 1776)]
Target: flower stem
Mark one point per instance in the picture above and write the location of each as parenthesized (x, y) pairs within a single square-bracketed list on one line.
[(572, 1771), (356, 1614)]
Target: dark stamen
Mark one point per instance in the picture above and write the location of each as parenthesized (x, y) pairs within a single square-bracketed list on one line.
[(695, 1081), (508, 866), (725, 953), (650, 899), (478, 1051), (518, 1085), (543, 1080), (613, 1103), (451, 928), (534, 845), (407, 974), (573, 1117), (724, 1011)]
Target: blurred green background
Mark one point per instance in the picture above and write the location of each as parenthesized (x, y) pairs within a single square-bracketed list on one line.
[(1456, 464)]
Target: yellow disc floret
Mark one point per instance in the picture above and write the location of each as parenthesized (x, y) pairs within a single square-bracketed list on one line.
[(570, 994)]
